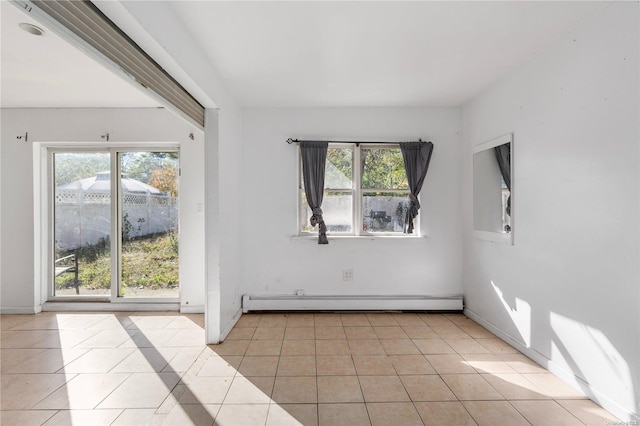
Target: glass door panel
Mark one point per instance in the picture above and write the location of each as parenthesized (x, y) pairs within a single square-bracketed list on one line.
[(82, 224), (148, 224)]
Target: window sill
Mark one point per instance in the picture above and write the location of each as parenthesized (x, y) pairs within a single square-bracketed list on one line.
[(314, 237)]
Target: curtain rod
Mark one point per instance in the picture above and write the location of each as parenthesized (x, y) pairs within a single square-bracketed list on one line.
[(290, 141)]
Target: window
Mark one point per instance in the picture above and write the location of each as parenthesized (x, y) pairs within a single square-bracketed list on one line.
[(369, 199)]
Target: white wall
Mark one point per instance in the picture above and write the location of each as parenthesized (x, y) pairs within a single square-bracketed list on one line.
[(568, 289), (19, 291), (277, 262)]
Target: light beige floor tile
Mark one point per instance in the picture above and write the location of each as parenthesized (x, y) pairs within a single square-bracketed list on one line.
[(547, 413), (450, 364), (299, 333), (112, 322), (343, 414), (329, 332), (477, 331), (264, 347), (149, 322), (360, 332), (383, 389), (554, 387), (111, 338), (390, 332), (23, 391), (436, 320), (259, 366), (204, 390), (150, 389), (491, 413), (338, 365), (152, 338), (269, 333), (514, 386), (411, 364), (327, 320), (139, 417), (10, 358), (83, 417), (249, 320), (433, 346), (186, 338), (332, 347), (85, 391), (298, 347), (588, 412), (216, 365), (25, 417), (450, 332), (9, 321), (366, 347), (143, 360), (273, 320), (38, 322), (304, 365), (98, 360), (332, 389), (292, 415), (187, 321), (521, 364), (467, 346), (471, 387), (420, 332), (497, 346), (408, 320), (354, 320), (399, 347), (295, 390), (458, 319), (373, 365), (231, 347), (197, 414), (488, 363), (249, 390), (241, 333), (300, 320), (427, 388), (42, 360), (381, 320), (183, 359), (450, 413), (242, 415), (387, 413)]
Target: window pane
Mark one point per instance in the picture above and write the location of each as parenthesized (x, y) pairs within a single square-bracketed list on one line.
[(339, 168), (384, 212), (383, 168), (337, 208)]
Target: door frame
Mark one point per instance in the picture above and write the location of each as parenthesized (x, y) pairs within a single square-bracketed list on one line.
[(44, 222)]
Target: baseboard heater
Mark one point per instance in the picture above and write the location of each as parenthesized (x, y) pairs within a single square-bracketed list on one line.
[(257, 302)]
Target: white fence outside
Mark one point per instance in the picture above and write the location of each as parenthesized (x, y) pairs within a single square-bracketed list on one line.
[(83, 218)]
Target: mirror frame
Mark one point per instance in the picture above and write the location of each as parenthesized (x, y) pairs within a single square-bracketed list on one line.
[(495, 237)]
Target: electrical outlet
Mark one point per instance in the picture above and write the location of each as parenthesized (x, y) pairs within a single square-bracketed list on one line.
[(300, 292), (347, 275)]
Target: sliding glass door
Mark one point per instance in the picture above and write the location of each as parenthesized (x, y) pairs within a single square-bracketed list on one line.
[(115, 238)]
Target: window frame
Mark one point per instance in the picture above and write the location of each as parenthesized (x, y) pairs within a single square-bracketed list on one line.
[(357, 195)]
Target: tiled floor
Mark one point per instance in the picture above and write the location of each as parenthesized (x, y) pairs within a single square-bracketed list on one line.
[(274, 369)]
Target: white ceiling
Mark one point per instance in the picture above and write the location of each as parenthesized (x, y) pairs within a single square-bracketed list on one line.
[(311, 53), (46, 71)]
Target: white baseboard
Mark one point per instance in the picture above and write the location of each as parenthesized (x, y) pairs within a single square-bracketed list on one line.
[(232, 322), (567, 376), (192, 309), (109, 307), (259, 302), (20, 310)]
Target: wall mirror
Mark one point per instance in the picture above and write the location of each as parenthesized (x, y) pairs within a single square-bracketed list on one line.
[(493, 190)]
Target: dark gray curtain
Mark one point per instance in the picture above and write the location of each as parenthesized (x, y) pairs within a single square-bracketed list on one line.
[(314, 159), (503, 155), (417, 156)]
